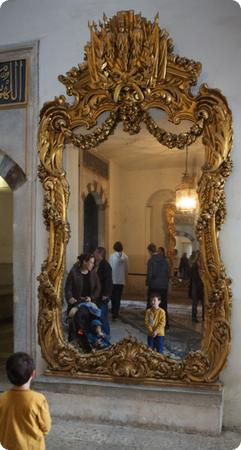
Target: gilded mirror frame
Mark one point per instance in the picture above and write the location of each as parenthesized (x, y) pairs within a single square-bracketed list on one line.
[(130, 68)]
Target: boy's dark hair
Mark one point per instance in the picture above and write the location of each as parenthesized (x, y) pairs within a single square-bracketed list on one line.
[(153, 295), (19, 368), (151, 248), (118, 247)]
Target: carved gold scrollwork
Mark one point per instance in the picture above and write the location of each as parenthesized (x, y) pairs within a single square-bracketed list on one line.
[(130, 68), (170, 210)]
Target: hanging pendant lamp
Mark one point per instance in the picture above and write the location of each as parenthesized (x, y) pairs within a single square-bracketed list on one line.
[(186, 195)]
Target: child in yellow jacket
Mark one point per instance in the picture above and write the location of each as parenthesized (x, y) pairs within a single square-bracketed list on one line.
[(155, 321), (24, 414)]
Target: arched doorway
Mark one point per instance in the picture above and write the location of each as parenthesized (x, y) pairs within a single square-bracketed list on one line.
[(94, 209), (90, 224), (6, 269), (185, 242), (156, 229), (11, 178)]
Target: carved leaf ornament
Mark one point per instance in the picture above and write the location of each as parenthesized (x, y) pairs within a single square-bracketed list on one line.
[(129, 68)]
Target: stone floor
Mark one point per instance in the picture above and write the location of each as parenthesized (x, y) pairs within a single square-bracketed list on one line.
[(182, 336), (75, 435)]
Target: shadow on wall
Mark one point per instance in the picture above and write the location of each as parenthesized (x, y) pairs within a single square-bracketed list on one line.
[(6, 291)]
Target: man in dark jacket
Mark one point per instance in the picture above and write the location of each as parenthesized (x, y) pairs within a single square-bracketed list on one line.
[(158, 276), (104, 273)]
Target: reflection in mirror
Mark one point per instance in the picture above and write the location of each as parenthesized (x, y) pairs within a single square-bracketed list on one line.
[(124, 190), (123, 177)]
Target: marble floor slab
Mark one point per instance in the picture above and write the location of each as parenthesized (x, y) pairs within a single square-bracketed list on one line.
[(76, 435)]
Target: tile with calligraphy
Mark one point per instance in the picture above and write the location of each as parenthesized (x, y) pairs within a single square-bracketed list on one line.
[(13, 83)]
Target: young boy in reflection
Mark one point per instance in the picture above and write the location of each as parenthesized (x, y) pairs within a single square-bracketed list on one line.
[(155, 321)]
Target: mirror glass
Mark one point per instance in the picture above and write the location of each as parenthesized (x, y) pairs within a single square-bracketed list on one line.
[(120, 191)]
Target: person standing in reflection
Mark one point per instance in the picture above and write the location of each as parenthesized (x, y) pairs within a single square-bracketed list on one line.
[(192, 259), (176, 262), (184, 268), (155, 321), (104, 272), (152, 250), (119, 264), (158, 276), (82, 285), (196, 289)]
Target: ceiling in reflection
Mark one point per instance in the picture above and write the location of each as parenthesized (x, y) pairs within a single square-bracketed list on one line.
[(143, 152)]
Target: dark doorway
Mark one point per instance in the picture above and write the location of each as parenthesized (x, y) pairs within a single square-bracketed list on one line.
[(6, 271), (90, 224)]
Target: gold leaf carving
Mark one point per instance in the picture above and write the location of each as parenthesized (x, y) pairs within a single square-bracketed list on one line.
[(130, 68)]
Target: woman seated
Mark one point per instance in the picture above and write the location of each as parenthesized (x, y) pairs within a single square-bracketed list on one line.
[(82, 286)]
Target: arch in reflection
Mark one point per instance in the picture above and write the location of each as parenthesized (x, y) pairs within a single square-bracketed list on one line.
[(94, 208)]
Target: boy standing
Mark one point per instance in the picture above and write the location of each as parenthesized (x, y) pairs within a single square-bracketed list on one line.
[(25, 418), (155, 321)]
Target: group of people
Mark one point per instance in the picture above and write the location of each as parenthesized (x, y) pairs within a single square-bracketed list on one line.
[(156, 317), (90, 285), (93, 282)]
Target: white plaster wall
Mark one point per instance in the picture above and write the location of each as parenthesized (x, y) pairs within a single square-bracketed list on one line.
[(139, 190), (6, 220), (208, 31), (115, 211), (18, 130), (142, 217)]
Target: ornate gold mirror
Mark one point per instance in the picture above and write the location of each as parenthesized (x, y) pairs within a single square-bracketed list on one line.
[(129, 70)]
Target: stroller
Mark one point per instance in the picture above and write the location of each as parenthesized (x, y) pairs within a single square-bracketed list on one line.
[(80, 324), (96, 337)]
